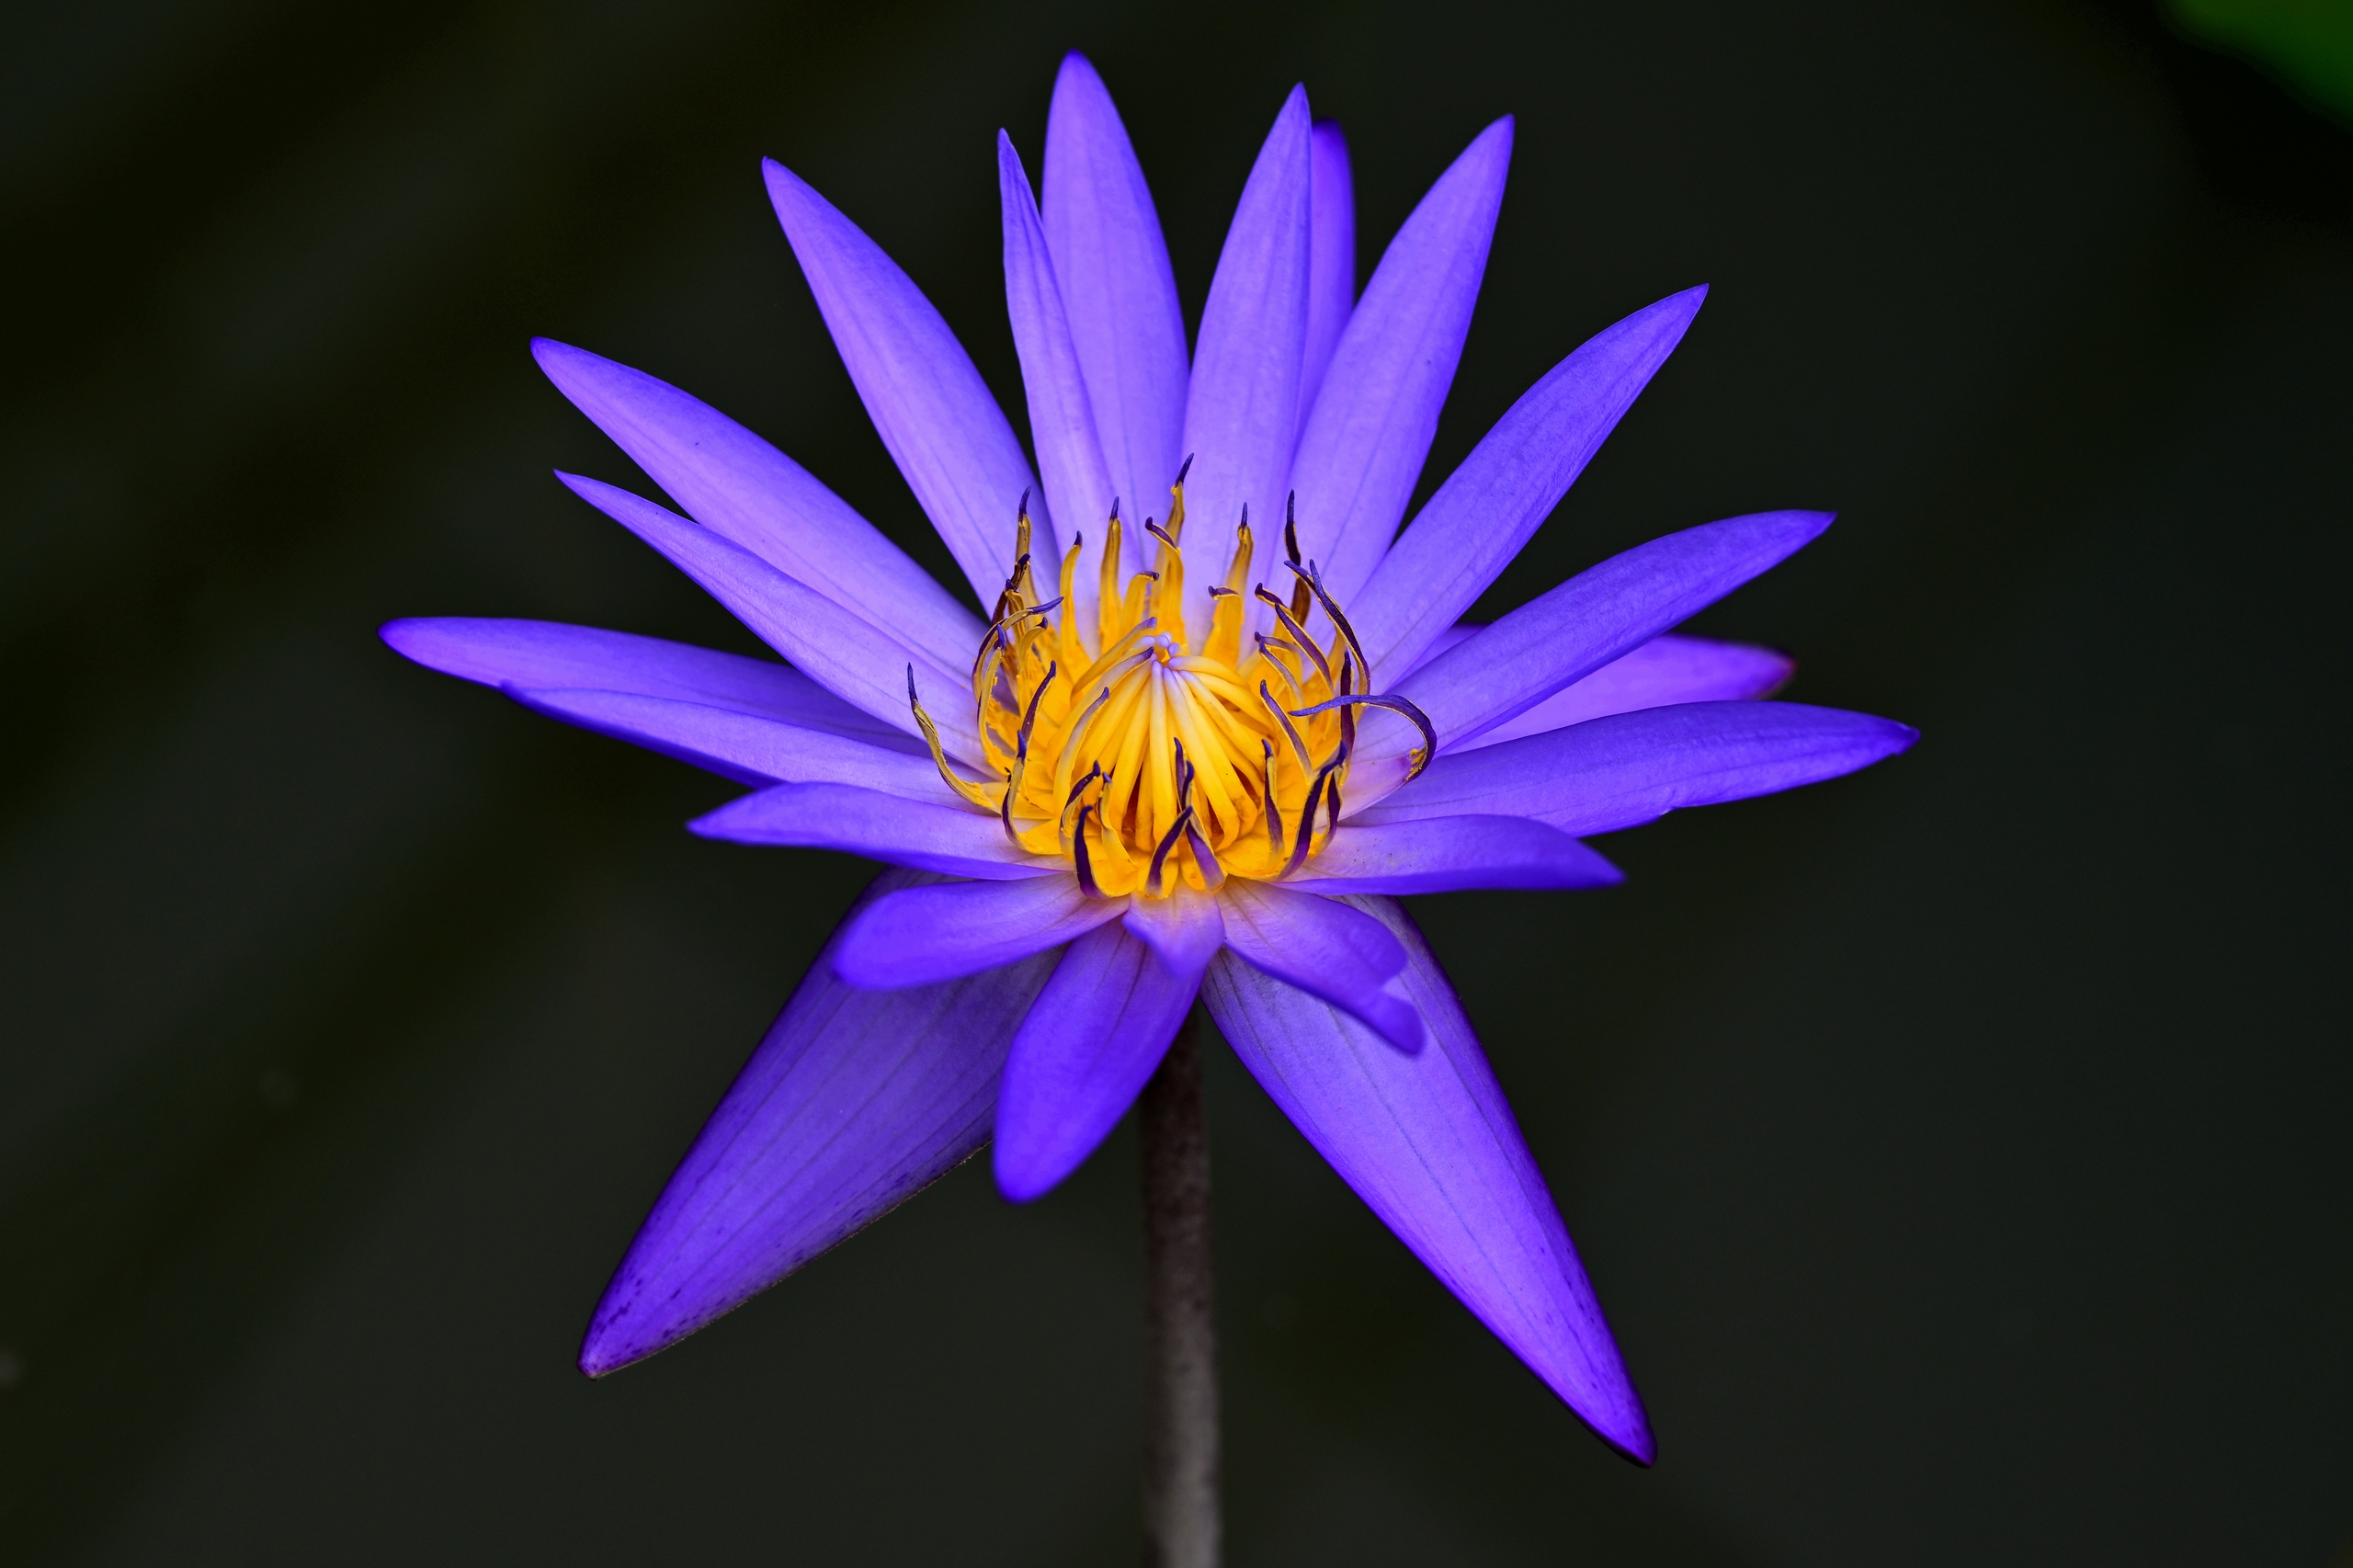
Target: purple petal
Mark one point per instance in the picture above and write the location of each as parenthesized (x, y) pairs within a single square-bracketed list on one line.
[(1117, 289), (1664, 671), (549, 653), (1098, 1029), (855, 1102), (1184, 929), (1242, 411), (1612, 773), (928, 934), (1327, 950), (1061, 422), (1428, 1141), (1365, 442), (1509, 484), (1331, 256), (746, 747), (953, 840), (929, 406), (1561, 636), (1451, 855), (744, 489), (847, 656)]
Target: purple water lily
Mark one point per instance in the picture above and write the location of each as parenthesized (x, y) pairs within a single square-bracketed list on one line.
[(1219, 715)]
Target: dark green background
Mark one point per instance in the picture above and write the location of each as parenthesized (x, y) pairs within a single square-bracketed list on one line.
[(1962, 1150)]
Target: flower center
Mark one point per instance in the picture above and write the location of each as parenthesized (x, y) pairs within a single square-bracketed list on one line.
[(1149, 760)]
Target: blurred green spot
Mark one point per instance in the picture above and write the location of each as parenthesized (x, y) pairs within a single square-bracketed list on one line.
[(2309, 43)]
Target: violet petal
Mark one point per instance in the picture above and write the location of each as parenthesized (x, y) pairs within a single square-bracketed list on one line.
[(746, 747), (1509, 484), (926, 934), (1061, 420), (1428, 1141), (1325, 947), (1613, 773), (927, 403), (854, 1102), (1595, 618), (1331, 256), (550, 654), (1118, 291), (742, 489), (1452, 854), (1666, 670), (1241, 410), (1365, 442), (953, 840), (1098, 1029), (1184, 928), (850, 657)]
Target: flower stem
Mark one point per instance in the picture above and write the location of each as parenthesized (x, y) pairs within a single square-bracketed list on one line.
[(1180, 1503)]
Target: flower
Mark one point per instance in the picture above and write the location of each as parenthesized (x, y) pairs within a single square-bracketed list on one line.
[(1196, 748)]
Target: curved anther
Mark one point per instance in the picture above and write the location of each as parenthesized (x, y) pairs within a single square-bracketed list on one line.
[(1314, 579), (1212, 874), (1297, 745), (1299, 632), (1168, 842), (1079, 861), (1307, 816), (1398, 705)]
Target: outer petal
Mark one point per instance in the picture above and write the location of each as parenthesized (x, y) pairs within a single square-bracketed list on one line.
[(1365, 442), (1327, 950), (1099, 1029), (928, 934), (745, 747), (854, 660), (1117, 289), (952, 840), (855, 1102), (1508, 484), (1061, 422), (1612, 773), (1242, 411), (1453, 855), (1560, 637), (550, 654), (1664, 671), (744, 489), (930, 407), (1428, 1143), (1331, 256)]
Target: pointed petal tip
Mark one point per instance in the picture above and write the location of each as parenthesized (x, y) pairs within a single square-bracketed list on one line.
[(1022, 1181)]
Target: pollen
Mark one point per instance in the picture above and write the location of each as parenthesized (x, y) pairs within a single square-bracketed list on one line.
[(1151, 758)]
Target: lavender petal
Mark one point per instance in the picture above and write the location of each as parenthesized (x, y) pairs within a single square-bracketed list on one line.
[(1241, 410), (742, 489), (930, 407), (1452, 854), (746, 747), (1118, 291), (1613, 773), (921, 934), (1428, 1141), (952, 840), (1326, 948), (1061, 420), (1666, 670), (1560, 637), (850, 657), (1508, 484), (854, 1102), (1365, 442), (536, 653), (1331, 256), (1098, 1029)]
